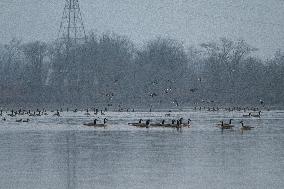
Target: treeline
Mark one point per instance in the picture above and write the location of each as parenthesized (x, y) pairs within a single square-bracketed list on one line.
[(110, 69)]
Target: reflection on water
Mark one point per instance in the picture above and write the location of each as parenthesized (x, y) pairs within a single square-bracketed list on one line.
[(39, 155)]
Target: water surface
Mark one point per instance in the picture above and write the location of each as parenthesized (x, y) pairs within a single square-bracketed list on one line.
[(58, 152)]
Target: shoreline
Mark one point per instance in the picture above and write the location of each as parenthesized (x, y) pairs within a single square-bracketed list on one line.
[(124, 107)]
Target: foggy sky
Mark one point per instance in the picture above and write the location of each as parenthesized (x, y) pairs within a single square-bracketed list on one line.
[(259, 22)]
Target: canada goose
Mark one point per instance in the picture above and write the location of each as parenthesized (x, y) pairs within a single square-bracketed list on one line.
[(94, 124), (11, 114), (146, 124), (168, 115), (225, 125), (26, 120), (19, 120), (245, 127), (175, 124), (102, 124), (57, 114), (187, 124), (230, 122), (178, 125), (87, 113), (21, 113), (4, 119), (91, 124), (163, 124), (140, 124), (256, 115), (247, 115), (172, 124), (32, 114), (102, 113), (158, 124), (136, 124)]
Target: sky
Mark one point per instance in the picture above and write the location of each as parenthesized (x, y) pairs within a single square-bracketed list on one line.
[(259, 22)]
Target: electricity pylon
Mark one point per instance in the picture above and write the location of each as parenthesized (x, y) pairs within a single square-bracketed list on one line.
[(71, 34), (72, 30)]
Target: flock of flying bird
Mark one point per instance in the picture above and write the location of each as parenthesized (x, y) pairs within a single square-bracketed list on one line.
[(174, 123)]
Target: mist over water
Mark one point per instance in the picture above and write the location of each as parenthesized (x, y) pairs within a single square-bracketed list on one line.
[(70, 107), (109, 69)]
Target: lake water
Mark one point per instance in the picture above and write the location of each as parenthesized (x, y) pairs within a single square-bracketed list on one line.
[(58, 152)]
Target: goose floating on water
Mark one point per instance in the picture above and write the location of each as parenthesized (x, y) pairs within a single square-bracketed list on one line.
[(135, 124), (256, 115), (140, 124), (178, 124), (26, 120), (223, 125), (245, 127), (19, 120), (102, 113), (57, 114), (247, 115), (94, 124), (187, 124), (158, 124)]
